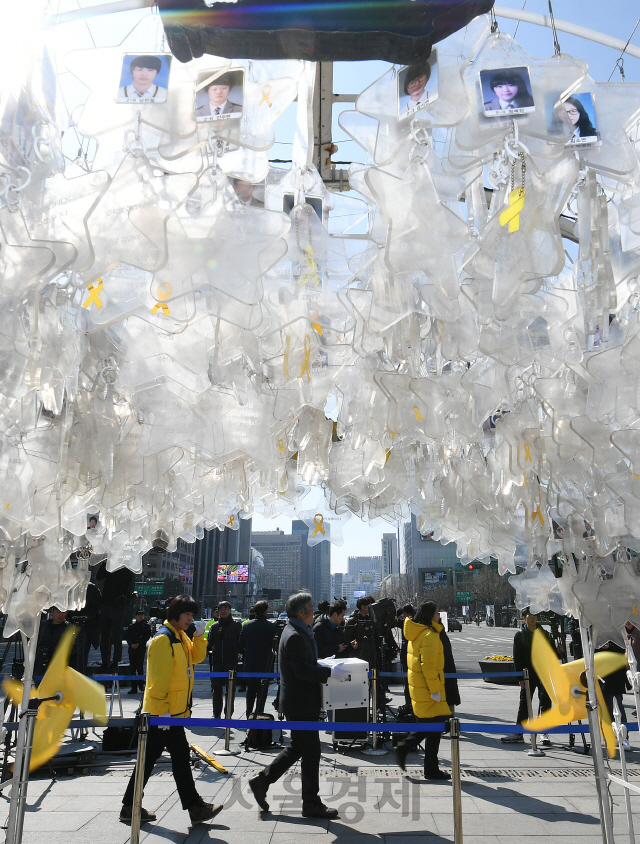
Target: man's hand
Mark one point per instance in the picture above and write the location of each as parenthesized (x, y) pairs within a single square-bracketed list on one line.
[(133, 646), (342, 647), (435, 696), (354, 644), (200, 626), (164, 727)]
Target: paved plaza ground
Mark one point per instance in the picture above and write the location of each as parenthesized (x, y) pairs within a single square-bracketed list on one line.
[(507, 795)]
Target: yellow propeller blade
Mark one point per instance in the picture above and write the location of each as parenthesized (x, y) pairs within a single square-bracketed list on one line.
[(549, 669), (606, 664)]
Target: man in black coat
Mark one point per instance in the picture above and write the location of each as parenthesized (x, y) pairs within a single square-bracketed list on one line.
[(116, 590), (328, 631), (301, 700), (256, 641), (137, 635), (49, 638), (224, 652)]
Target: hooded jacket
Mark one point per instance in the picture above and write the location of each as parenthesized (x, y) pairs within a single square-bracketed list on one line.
[(425, 666), (170, 662)]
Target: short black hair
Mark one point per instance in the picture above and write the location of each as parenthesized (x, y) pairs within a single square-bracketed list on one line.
[(261, 608), (362, 601), (337, 607), (150, 62), (323, 606), (180, 604), (224, 604), (507, 76), (229, 79), (415, 72), (296, 603)]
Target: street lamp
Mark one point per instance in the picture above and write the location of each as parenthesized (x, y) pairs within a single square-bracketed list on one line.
[(477, 608)]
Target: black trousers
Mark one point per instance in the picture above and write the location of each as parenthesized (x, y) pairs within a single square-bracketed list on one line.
[(136, 664), (218, 684), (253, 690), (305, 746), (111, 634), (543, 698), (175, 741), (431, 744)]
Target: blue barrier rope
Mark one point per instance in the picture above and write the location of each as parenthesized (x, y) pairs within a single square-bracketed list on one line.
[(254, 675)]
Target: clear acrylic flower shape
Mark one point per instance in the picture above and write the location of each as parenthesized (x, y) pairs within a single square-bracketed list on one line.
[(24, 262), (324, 526), (128, 225)]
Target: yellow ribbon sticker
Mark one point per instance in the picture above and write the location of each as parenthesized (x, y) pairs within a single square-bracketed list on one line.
[(416, 410), (231, 521), (318, 525), (537, 514), (634, 607), (307, 357), (311, 273), (281, 447), (6, 506), (94, 295), (163, 293), (266, 96), (511, 215), (527, 453)]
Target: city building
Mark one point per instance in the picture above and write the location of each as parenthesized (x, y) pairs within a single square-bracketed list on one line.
[(390, 563), (216, 548), (358, 564), (429, 562), (167, 572)]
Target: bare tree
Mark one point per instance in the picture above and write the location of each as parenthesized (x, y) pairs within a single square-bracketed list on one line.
[(492, 588)]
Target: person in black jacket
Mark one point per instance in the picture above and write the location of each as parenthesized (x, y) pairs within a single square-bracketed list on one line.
[(88, 619), (407, 611), (49, 638), (451, 691), (614, 686), (522, 642), (322, 611), (328, 631), (301, 700), (137, 635), (116, 590), (256, 640), (224, 650)]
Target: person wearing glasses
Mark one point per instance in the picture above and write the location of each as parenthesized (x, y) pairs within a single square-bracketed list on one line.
[(573, 113)]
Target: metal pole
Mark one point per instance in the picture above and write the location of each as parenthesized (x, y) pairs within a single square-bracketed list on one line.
[(527, 690), (29, 647), (374, 751), (30, 717), (621, 734), (456, 780), (606, 821), (633, 676), (228, 712), (143, 734)]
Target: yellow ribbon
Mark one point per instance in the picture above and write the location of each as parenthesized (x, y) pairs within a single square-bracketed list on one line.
[(318, 525), (94, 295), (266, 93), (231, 521), (511, 215), (163, 293), (527, 453), (307, 357), (537, 514), (634, 607), (6, 506), (311, 273), (416, 410), (281, 446)]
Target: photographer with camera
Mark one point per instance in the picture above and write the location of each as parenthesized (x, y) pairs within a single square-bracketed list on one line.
[(169, 690), (328, 632), (256, 640), (137, 635), (224, 651), (360, 627), (301, 700)]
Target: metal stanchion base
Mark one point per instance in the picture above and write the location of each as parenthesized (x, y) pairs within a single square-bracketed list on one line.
[(229, 752), (371, 752)]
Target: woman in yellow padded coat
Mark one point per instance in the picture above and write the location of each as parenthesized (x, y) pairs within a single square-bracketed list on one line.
[(425, 663)]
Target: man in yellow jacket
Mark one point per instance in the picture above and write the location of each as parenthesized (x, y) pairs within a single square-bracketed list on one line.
[(425, 666), (170, 677)]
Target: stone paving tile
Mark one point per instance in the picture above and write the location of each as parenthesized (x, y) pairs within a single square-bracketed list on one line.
[(63, 821), (300, 826), (494, 824), (388, 824)]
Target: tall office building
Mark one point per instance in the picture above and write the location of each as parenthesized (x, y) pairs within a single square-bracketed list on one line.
[(290, 564), (217, 547), (359, 564), (428, 561), (389, 554)]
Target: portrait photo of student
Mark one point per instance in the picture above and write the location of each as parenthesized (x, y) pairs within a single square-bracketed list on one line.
[(249, 194), (506, 90), (144, 79), (578, 114), (314, 202), (220, 97), (417, 86)]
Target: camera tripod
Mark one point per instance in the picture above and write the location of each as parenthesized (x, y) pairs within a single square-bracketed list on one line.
[(17, 673)]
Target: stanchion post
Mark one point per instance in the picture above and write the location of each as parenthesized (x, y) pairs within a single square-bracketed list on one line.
[(23, 784), (456, 780), (143, 733), (374, 751), (527, 690), (228, 712), (621, 734)]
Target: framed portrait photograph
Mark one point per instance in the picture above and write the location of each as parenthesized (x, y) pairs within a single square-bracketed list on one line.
[(93, 520), (219, 96), (506, 91), (578, 113), (144, 78), (249, 194), (417, 86), (314, 202)]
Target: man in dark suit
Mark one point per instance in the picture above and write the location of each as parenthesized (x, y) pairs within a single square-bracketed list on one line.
[(300, 700), (256, 640), (219, 102)]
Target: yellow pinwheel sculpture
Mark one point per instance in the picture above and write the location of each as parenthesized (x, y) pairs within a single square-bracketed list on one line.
[(566, 685), (53, 718)]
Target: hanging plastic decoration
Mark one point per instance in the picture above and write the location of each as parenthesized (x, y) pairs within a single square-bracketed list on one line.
[(191, 335)]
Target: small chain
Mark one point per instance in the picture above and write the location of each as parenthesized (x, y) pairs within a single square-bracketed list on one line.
[(513, 170)]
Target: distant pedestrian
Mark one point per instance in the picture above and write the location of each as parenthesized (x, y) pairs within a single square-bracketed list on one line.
[(224, 652), (256, 642), (137, 635)]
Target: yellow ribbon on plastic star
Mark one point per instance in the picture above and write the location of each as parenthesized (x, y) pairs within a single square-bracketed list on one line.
[(311, 273), (231, 521), (511, 215), (416, 410), (527, 453), (634, 609), (163, 293), (266, 96), (281, 447), (537, 514), (307, 357), (318, 525), (94, 295)]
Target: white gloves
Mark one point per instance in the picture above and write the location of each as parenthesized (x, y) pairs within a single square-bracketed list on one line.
[(164, 727), (435, 696), (340, 673), (200, 626)]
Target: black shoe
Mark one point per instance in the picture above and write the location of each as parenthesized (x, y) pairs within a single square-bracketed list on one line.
[(132, 692), (437, 775), (401, 754), (203, 812), (127, 811), (320, 811), (259, 787)]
